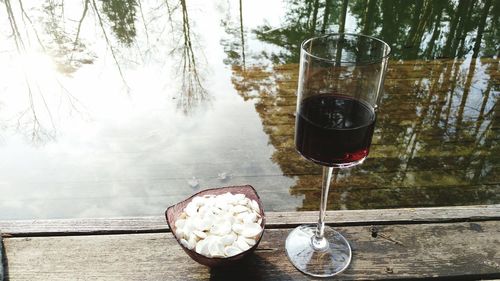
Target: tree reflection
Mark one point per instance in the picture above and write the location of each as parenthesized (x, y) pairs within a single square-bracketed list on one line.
[(415, 29), (122, 14), (192, 91), (30, 116), (436, 141), (431, 146), (64, 39), (235, 45), (69, 54)]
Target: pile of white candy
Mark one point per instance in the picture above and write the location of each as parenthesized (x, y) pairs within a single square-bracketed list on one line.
[(219, 226)]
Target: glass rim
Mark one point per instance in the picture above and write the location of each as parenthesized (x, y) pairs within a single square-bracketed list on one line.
[(378, 59)]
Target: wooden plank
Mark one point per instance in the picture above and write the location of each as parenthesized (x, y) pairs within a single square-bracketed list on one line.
[(454, 250), (274, 220)]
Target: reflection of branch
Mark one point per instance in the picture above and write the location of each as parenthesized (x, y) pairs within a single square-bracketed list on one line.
[(47, 108), (37, 127), (491, 111), (84, 13), (36, 123), (25, 15), (13, 26), (242, 35), (73, 101), (170, 12), (193, 91), (101, 24), (143, 21), (37, 115)]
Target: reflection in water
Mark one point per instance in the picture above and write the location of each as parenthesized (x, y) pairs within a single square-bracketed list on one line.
[(68, 53), (436, 141), (415, 29), (130, 154), (192, 92), (35, 119), (122, 14), (235, 45), (68, 68), (58, 40)]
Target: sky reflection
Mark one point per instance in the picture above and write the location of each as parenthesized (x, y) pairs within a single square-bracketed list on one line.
[(123, 132), (111, 108)]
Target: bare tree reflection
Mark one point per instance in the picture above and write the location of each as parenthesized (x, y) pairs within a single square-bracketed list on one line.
[(68, 54), (110, 46), (38, 132), (76, 42), (242, 35), (36, 120), (139, 4), (13, 25), (27, 17), (234, 46), (192, 92), (64, 43)]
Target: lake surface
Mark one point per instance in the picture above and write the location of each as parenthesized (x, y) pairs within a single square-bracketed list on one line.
[(124, 107)]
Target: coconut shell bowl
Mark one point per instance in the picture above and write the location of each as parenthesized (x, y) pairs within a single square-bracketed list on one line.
[(178, 211)]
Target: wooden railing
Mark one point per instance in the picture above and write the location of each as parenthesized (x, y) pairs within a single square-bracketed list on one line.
[(461, 243)]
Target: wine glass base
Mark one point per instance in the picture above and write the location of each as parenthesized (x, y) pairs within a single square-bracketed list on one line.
[(327, 262)]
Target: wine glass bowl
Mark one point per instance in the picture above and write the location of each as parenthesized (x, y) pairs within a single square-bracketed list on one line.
[(340, 79), (334, 130)]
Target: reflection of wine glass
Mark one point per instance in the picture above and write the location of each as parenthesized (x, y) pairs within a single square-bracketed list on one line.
[(340, 78)]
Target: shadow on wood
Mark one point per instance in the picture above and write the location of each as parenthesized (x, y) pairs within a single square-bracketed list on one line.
[(254, 267)]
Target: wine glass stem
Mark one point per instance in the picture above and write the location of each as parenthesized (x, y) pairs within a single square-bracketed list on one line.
[(318, 241)]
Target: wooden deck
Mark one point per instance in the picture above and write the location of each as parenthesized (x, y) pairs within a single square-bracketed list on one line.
[(457, 243)]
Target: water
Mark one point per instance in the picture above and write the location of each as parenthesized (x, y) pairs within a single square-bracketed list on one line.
[(121, 108)]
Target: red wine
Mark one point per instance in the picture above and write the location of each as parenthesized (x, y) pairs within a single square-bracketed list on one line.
[(334, 129)]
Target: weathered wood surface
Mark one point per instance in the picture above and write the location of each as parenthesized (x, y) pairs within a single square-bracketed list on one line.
[(454, 243), (274, 220), (458, 251)]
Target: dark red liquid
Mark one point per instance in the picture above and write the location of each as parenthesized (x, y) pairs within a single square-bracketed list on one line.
[(334, 129)]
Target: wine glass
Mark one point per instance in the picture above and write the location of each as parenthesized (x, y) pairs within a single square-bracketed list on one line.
[(340, 80)]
